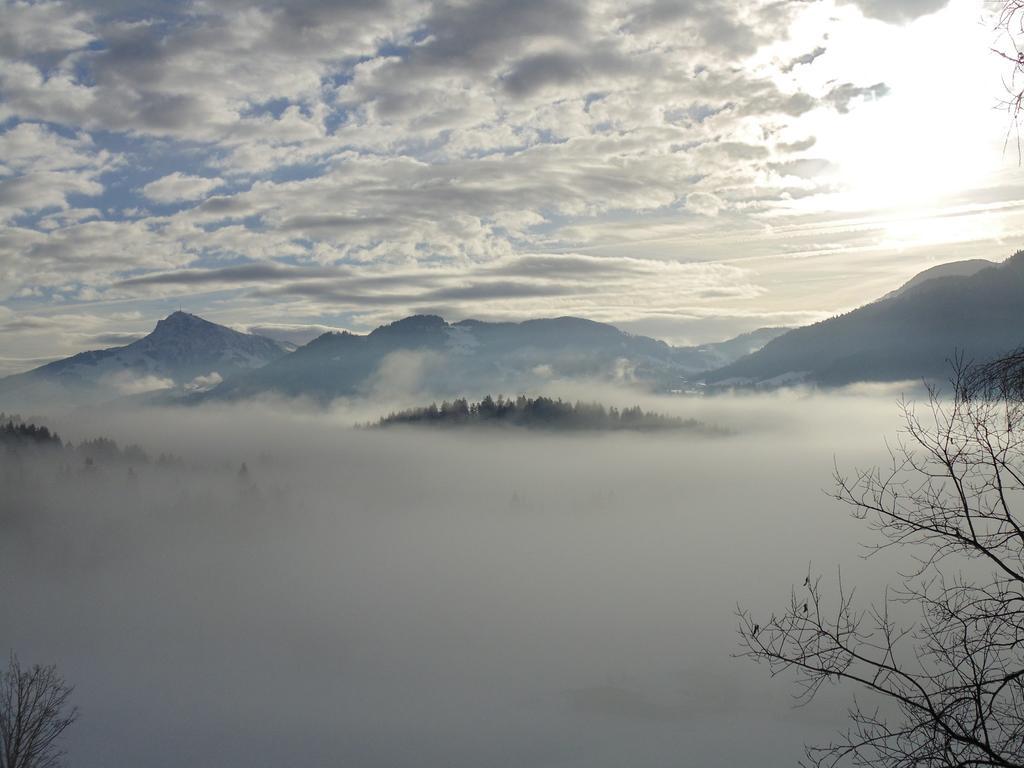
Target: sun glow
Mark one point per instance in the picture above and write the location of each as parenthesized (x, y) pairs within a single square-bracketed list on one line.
[(936, 134)]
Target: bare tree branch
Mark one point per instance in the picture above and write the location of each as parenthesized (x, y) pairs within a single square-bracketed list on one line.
[(938, 663), (34, 713)]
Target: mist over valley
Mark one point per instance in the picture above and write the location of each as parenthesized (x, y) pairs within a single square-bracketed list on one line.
[(387, 598)]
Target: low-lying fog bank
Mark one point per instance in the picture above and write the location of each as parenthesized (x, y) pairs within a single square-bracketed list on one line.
[(410, 598)]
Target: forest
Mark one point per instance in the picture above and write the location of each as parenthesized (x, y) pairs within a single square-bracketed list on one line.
[(539, 413), (20, 436)]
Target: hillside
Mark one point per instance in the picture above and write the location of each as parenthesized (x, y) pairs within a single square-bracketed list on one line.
[(911, 335), (965, 268)]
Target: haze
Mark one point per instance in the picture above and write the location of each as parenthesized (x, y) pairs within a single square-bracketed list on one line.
[(419, 598)]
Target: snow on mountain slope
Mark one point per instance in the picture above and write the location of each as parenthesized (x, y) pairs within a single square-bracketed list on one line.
[(183, 351), (442, 359)]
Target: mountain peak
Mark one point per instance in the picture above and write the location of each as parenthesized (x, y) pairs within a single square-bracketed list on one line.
[(181, 348), (183, 327), (182, 319), (411, 324)]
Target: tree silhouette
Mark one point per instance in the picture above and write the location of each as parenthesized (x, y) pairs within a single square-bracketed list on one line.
[(1010, 47), (539, 412), (999, 379), (939, 661), (34, 713)]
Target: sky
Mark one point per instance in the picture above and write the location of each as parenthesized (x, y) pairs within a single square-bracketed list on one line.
[(686, 169)]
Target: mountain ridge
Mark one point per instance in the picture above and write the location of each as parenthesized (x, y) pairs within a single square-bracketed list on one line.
[(912, 335), (191, 359), (954, 269), (971, 308), (474, 355)]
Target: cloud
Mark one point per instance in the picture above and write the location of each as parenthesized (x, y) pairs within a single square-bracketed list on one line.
[(842, 96), (897, 11), (543, 371), (31, 147), (178, 187), (293, 333), (401, 375), (704, 203), (39, 191), (31, 28), (41, 169), (330, 222), (203, 383), (198, 73), (12, 365), (567, 266), (131, 383), (727, 28), (525, 280), (559, 68), (797, 146), (114, 339), (242, 274), (807, 58), (808, 167)]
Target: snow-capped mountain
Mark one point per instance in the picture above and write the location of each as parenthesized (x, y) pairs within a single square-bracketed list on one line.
[(426, 354), (183, 351)]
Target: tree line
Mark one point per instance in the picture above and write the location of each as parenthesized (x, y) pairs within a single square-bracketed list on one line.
[(18, 437), (538, 412), (15, 434)]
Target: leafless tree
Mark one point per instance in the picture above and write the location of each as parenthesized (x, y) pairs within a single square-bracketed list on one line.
[(34, 712), (1000, 379), (1009, 24), (938, 663)]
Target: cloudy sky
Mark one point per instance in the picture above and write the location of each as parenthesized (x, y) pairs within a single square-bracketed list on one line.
[(689, 169)]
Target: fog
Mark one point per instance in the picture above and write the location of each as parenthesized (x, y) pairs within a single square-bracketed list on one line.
[(421, 598)]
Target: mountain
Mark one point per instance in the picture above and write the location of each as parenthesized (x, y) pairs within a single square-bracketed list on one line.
[(965, 268), (426, 354), (910, 335), (183, 351), (722, 353)]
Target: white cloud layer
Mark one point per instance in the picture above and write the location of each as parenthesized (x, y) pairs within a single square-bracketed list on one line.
[(179, 187)]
